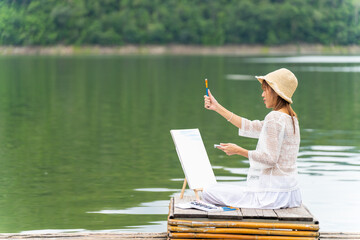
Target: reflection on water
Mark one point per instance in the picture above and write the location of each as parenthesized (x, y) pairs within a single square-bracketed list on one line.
[(52, 231), (239, 77), (85, 143), (329, 69), (155, 227), (156, 189), (156, 207), (308, 59)]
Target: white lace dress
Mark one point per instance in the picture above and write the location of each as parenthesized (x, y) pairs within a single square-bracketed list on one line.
[(272, 177)]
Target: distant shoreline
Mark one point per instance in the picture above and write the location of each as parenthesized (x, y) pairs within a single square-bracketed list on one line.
[(231, 50)]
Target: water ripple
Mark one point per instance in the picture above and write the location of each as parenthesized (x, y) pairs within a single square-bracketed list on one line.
[(153, 208)]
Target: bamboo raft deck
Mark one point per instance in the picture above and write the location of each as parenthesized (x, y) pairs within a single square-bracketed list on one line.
[(276, 224), (291, 223)]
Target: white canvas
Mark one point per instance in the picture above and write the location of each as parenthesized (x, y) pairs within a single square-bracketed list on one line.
[(193, 157)]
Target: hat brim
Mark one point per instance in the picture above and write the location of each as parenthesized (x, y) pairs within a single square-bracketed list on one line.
[(260, 78), (274, 87)]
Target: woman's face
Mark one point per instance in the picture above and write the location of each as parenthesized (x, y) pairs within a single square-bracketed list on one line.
[(269, 97)]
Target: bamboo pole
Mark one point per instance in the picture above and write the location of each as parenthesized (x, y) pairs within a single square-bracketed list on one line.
[(238, 224), (244, 231), (233, 236), (171, 208)]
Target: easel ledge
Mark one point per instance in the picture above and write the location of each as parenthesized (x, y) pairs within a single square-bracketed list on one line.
[(195, 191)]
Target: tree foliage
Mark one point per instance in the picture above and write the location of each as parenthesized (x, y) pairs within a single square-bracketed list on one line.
[(203, 22)]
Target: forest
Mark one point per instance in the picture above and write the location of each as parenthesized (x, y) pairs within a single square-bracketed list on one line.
[(195, 22)]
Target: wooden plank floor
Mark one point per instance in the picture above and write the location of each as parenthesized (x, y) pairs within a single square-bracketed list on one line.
[(299, 214), (140, 236)]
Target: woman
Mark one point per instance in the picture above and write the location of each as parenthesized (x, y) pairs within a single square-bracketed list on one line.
[(272, 177)]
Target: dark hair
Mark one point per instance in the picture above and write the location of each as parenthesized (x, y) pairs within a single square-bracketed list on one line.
[(281, 103)]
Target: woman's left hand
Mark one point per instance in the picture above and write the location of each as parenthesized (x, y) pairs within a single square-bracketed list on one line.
[(232, 149)]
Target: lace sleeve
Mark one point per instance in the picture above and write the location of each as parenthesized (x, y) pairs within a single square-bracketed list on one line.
[(250, 129), (269, 145)]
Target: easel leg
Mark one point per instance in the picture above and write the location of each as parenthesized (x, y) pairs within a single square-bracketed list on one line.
[(183, 189), (197, 194), (195, 191)]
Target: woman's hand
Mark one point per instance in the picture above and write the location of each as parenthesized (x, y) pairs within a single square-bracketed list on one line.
[(232, 149), (210, 102)]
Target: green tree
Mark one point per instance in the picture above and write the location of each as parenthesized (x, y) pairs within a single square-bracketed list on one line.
[(205, 22)]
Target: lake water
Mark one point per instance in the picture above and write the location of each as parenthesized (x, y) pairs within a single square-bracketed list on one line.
[(85, 141)]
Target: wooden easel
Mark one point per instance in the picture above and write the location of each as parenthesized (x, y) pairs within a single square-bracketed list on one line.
[(183, 191), (194, 160)]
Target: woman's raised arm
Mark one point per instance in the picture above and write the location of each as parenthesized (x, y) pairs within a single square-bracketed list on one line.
[(210, 103)]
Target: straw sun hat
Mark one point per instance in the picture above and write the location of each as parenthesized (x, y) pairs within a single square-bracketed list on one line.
[(282, 81)]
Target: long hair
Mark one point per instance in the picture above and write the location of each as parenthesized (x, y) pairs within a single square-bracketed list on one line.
[(281, 103)]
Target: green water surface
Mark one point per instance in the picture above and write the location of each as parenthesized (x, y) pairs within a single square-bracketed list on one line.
[(85, 142)]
